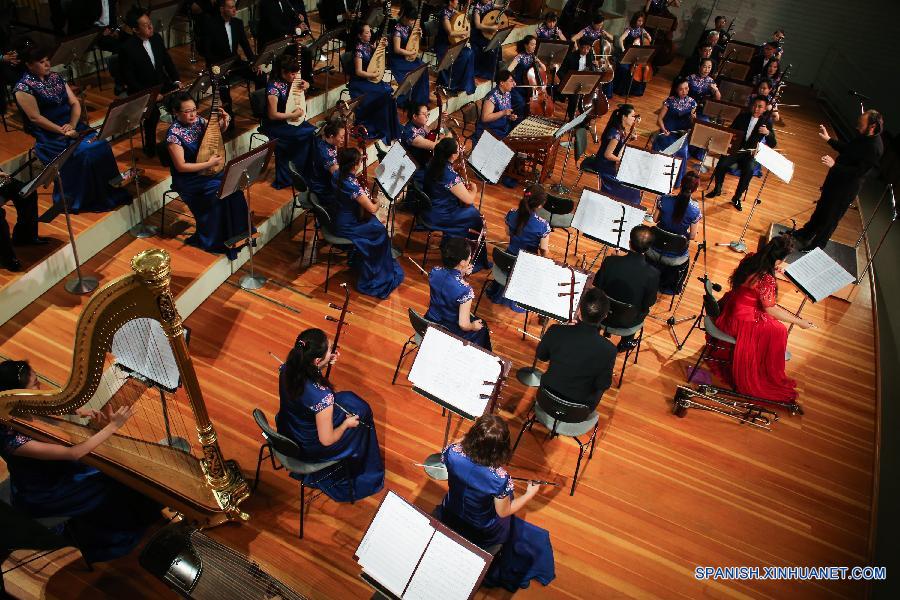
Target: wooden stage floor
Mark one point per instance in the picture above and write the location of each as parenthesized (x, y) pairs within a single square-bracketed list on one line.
[(661, 495)]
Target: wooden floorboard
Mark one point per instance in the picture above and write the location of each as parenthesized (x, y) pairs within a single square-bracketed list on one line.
[(661, 495)]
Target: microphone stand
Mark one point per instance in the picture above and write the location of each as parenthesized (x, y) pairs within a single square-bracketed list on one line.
[(703, 246), (558, 187), (739, 245)]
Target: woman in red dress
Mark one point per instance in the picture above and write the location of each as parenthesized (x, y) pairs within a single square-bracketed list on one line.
[(751, 316)]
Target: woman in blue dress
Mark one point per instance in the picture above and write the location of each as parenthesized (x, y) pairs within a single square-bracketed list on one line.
[(549, 29), (292, 142), (354, 219), (593, 32), (519, 66), (217, 220), (453, 200), (461, 76), (47, 480), (612, 146), (397, 58), (676, 118), (701, 85), (634, 35), (450, 303), (414, 138), (378, 110), (324, 432), (678, 214), (53, 118), (481, 504), (485, 62), (323, 166), (497, 113), (528, 231)]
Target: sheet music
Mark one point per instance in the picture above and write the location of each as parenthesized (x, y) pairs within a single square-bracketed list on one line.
[(535, 282), (818, 274), (648, 170), (572, 124), (676, 145), (597, 214), (448, 571), (141, 346), (394, 170), (394, 543), (490, 157), (455, 372), (775, 162)]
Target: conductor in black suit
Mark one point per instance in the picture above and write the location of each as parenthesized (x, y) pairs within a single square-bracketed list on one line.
[(145, 63), (581, 360), (223, 35), (753, 127), (846, 174), (631, 279), (583, 60)]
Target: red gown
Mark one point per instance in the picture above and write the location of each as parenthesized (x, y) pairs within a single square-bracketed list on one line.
[(757, 366)]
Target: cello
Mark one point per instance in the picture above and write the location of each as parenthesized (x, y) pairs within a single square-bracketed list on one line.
[(541, 103)]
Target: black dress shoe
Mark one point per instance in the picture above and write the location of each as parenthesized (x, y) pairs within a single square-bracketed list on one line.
[(625, 346), (716, 192), (35, 241), (11, 264), (737, 203)]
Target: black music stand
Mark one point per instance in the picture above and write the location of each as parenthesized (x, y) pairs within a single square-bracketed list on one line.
[(124, 117), (238, 175), (637, 56), (411, 80), (81, 284), (162, 17), (578, 83), (267, 56), (552, 53), (315, 51), (496, 43), (449, 59), (74, 48)]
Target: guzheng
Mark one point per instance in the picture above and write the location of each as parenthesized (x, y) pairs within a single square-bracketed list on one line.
[(533, 142)]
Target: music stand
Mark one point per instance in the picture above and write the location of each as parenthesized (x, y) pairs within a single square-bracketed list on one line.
[(733, 90), (721, 112), (238, 175), (199, 87), (496, 43), (449, 59), (489, 159), (739, 51), (636, 56), (552, 53), (74, 48), (578, 83), (269, 52), (392, 176), (411, 80), (81, 284), (659, 23), (315, 51), (163, 16), (734, 70), (123, 117), (715, 139)]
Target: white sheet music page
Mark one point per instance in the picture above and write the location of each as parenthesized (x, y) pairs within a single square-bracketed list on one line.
[(455, 372), (448, 571), (676, 145), (535, 282), (648, 170), (490, 157), (818, 274), (598, 215), (394, 543), (775, 162), (394, 170), (141, 345)]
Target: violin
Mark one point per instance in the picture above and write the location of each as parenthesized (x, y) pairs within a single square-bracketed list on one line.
[(541, 103)]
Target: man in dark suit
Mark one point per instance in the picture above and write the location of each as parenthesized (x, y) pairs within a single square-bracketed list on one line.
[(692, 64), (846, 174), (581, 360), (223, 34), (278, 18), (760, 62), (144, 63), (753, 127), (631, 279), (583, 60)]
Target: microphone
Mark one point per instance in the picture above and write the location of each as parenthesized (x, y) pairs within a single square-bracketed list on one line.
[(858, 95), (715, 286)]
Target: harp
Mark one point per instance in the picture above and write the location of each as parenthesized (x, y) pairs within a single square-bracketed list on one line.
[(168, 450)]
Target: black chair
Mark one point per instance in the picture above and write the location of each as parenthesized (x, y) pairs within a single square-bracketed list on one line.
[(503, 264), (716, 339), (301, 199), (623, 320), (559, 212), (284, 453), (162, 154), (347, 66), (470, 113), (674, 265), (422, 204), (419, 325), (324, 233), (566, 418), (258, 109)]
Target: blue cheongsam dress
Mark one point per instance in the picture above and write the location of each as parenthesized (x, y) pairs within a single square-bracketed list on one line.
[(461, 76), (379, 271), (529, 240), (86, 173), (400, 67), (218, 220), (450, 215), (318, 174), (448, 291), (292, 142), (485, 62), (377, 110), (501, 127), (408, 133), (521, 96), (468, 508), (358, 446), (107, 518), (668, 278), (607, 170), (623, 71), (678, 119)]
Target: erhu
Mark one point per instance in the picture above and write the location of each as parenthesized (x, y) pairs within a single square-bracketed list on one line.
[(296, 98), (212, 143), (341, 321)]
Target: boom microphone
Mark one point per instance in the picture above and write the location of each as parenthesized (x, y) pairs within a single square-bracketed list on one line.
[(858, 95)]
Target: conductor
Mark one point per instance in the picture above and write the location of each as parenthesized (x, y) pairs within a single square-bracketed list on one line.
[(846, 174)]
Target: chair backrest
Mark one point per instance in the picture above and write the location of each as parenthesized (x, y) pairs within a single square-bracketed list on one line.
[(297, 179), (420, 199), (281, 444), (469, 113), (258, 103), (503, 259), (418, 322), (710, 304), (666, 241), (581, 142), (323, 219), (562, 410), (556, 205), (347, 63), (621, 315)]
